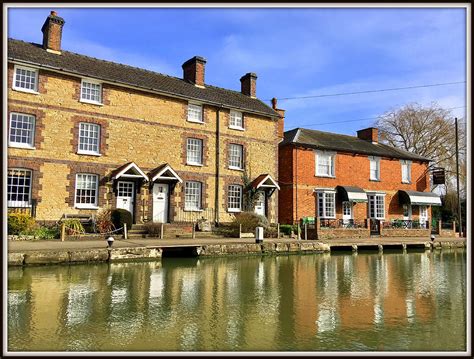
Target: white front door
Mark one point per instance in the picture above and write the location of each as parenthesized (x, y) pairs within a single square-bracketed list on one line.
[(260, 203), (423, 216), (160, 202), (407, 212), (346, 212), (125, 194)]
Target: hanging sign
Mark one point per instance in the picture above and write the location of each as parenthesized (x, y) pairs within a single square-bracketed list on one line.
[(438, 176)]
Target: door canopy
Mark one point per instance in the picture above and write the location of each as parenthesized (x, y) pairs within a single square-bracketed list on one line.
[(164, 173), (352, 194), (265, 182), (129, 171), (419, 198)]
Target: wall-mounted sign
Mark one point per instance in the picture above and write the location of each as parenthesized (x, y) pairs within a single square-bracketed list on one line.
[(438, 176)]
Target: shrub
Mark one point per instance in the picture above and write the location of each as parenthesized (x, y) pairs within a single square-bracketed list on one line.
[(47, 233), (73, 226), (120, 216), (249, 221), (153, 229), (20, 223), (103, 221)]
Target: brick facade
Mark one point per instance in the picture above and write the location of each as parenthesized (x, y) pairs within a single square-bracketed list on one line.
[(297, 168)]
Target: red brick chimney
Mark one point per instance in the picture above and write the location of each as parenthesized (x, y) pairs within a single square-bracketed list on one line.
[(370, 134), (281, 120), (248, 84), (193, 70), (52, 32)]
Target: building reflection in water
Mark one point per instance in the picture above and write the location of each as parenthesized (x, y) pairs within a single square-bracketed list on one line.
[(257, 303)]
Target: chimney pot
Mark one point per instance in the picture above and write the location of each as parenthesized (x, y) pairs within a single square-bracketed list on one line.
[(370, 134), (52, 33), (194, 70), (274, 103), (248, 84)]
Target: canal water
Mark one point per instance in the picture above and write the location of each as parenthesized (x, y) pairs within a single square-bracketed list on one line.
[(413, 301)]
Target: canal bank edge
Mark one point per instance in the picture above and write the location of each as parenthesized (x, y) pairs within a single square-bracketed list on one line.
[(73, 256)]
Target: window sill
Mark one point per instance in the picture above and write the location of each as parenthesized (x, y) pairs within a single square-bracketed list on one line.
[(374, 180), (19, 89), (194, 164), (230, 210), (237, 128), (236, 168), (23, 147), (88, 154), (324, 176), (194, 121), (85, 207), (91, 102), (192, 210), (404, 182)]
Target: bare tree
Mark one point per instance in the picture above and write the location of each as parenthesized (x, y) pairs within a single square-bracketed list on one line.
[(429, 132)]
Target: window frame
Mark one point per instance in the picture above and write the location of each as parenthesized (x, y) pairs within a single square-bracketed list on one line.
[(33, 132), (88, 152), (232, 167), (375, 195), (186, 203), (16, 203), (194, 104), (322, 211), (332, 158), (240, 198), (94, 82), (236, 127), (201, 151), (22, 89), (408, 165), (376, 160), (79, 205)]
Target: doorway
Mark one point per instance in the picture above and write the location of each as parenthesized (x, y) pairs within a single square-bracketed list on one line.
[(160, 202)]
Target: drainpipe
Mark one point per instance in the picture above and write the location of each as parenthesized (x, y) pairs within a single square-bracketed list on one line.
[(216, 201)]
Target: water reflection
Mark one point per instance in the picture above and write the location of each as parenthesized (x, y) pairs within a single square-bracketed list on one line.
[(396, 301)]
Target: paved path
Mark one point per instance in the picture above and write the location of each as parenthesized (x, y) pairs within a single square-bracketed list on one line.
[(56, 245)]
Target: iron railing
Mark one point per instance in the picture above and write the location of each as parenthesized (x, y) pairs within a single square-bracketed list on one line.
[(342, 223), (405, 224), (192, 216)]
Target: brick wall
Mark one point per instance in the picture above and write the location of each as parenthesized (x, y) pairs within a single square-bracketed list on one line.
[(298, 181)]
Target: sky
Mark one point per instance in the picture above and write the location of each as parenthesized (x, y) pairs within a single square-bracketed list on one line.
[(294, 52)]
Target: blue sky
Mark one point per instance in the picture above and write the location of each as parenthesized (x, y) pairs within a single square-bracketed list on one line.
[(295, 53)]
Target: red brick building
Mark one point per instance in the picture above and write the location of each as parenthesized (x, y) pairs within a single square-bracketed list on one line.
[(347, 181)]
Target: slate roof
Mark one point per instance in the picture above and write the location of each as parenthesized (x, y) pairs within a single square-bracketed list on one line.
[(344, 143), (81, 65)]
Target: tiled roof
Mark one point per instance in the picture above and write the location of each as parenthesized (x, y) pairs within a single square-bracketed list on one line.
[(127, 75), (344, 143)]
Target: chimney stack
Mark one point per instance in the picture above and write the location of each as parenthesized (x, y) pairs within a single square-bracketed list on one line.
[(370, 134), (52, 32), (248, 84), (281, 120), (193, 70)]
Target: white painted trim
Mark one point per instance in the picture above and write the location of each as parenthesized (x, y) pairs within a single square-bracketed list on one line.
[(95, 82), (35, 69), (268, 177), (167, 168), (121, 173)]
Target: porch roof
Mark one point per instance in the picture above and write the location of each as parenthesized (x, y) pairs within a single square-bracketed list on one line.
[(128, 170), (164, 173), (352, 193), (265, 181), (419, 198)]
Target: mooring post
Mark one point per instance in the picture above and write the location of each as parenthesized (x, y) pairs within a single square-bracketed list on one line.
[(63, 232), (240, 230), (306, 231), (194, 230), (278, 230), (161, 231), (125, 234)]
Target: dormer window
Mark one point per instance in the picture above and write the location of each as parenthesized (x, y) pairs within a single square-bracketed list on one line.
[(91, 92), (25, 79)]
